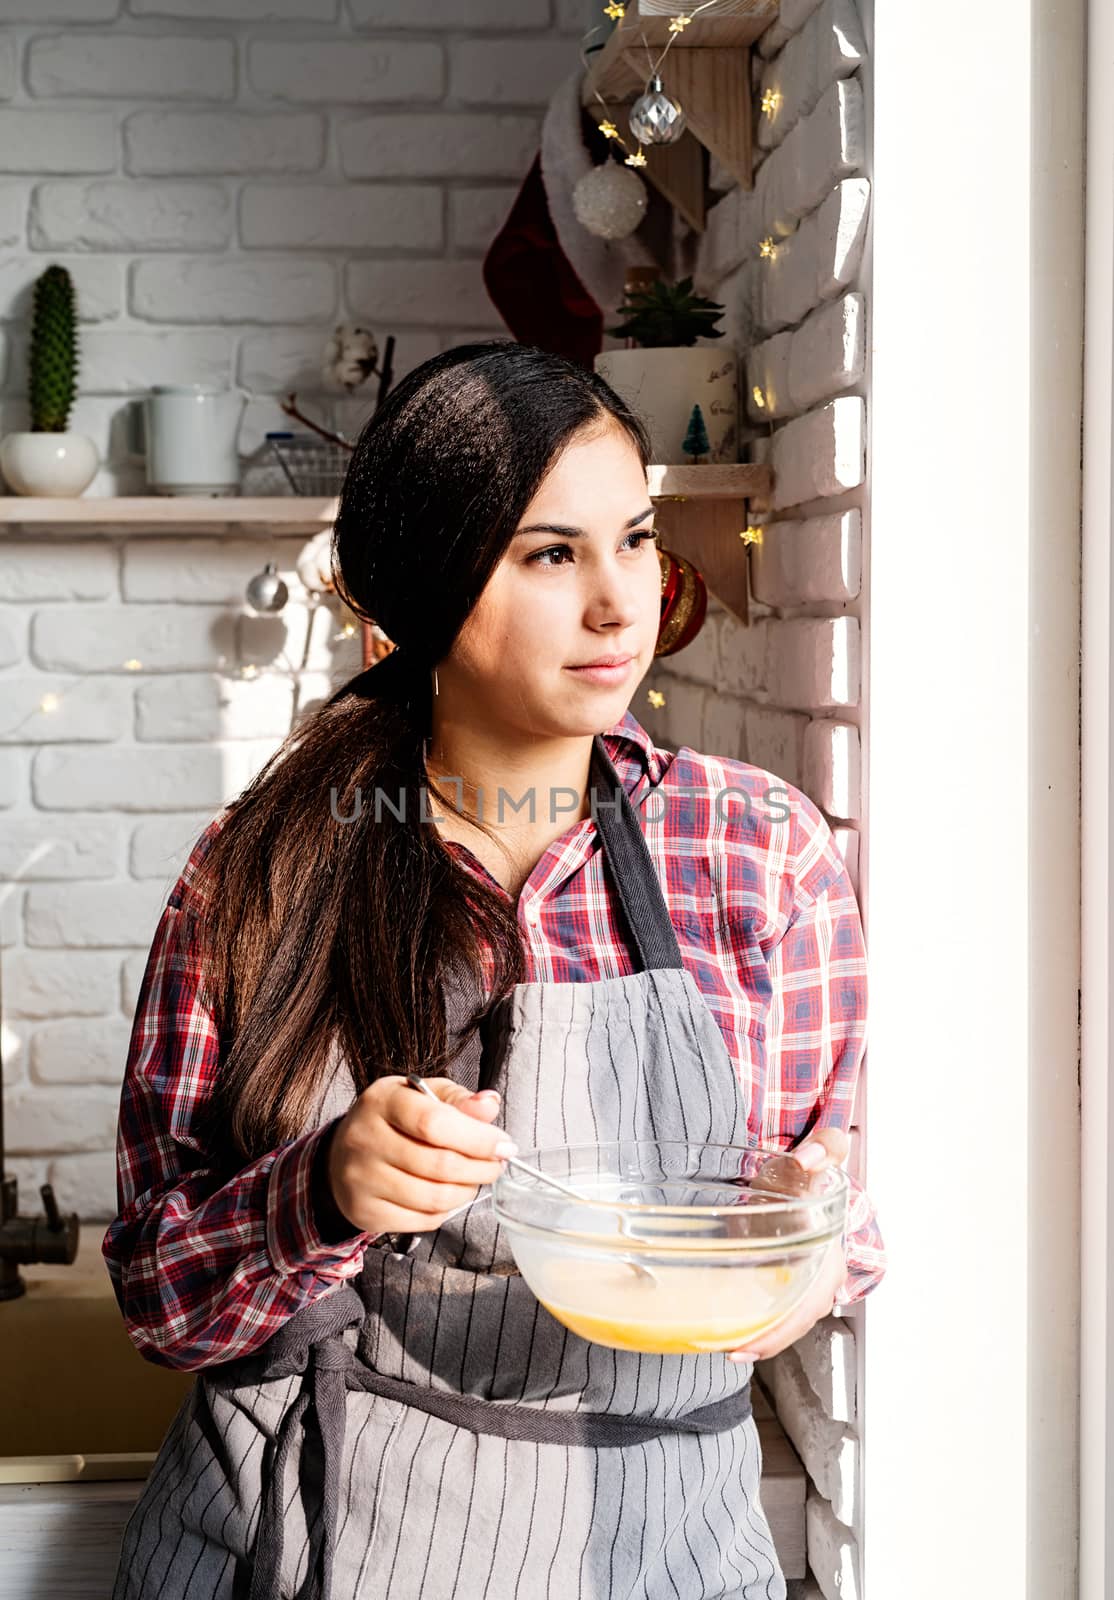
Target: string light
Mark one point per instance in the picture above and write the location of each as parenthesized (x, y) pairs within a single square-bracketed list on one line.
[(759, 398), (51, 702), (771, 100), (750, 534), (656, 698), (768, 249), (616, 13)]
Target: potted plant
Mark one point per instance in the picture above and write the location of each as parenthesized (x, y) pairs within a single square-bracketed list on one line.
[(667, 371), (48, 459)]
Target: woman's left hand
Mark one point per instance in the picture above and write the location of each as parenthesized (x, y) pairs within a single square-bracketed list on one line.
[(825, 1147)]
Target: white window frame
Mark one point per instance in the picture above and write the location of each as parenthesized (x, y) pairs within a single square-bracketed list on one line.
[(971, 882), (1096, 1555)]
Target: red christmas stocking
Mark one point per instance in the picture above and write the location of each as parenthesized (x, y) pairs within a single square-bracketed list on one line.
[(532, 285)]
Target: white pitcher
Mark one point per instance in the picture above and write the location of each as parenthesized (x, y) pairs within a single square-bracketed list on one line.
[(190, 435)]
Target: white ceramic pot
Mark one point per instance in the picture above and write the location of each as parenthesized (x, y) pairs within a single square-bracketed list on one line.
[(62, 464), (663, 384)]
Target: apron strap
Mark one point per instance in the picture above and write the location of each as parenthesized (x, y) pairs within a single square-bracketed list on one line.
[(631, 866), (310, 1343)]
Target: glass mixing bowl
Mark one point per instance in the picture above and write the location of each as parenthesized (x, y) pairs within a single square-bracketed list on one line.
[(732, 1238)]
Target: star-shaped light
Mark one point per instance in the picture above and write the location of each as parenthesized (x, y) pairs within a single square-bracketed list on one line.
[(656, 698), (678, 24), (636, 160), (609, 129), (750, 535), (768, 249), (615, 12), (771, 100), (758, 397)]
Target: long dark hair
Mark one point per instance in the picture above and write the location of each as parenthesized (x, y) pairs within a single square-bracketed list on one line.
[(320, 932)]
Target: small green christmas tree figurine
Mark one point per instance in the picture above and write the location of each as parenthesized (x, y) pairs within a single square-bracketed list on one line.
[(696, 439)]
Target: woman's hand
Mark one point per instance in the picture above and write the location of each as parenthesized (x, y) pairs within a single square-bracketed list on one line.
[(399, 1162), (826, 1147)]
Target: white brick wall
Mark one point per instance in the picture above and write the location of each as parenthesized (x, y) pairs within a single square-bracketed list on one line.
[(784, 691), (227, 179), (108, 776)]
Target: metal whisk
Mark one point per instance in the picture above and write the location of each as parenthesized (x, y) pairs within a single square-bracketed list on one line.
[(543, 1177)]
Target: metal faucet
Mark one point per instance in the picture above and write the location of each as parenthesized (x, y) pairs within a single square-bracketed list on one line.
[(52, 1237)]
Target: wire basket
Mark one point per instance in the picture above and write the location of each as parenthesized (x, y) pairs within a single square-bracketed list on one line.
[(312, 466)]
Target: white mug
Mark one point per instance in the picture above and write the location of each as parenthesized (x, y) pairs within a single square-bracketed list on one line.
[(189, 435)]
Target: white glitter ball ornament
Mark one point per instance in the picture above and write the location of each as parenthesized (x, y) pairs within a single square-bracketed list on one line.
[(655, 118), (610, 201)]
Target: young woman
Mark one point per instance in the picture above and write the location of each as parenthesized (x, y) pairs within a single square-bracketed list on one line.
[(382, 1407)]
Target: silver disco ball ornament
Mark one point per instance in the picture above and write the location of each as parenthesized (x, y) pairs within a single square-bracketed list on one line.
[(266, 591), (610, 201), (655, 118)]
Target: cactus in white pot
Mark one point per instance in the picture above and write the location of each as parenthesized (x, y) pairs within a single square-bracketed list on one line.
[(48, 459)]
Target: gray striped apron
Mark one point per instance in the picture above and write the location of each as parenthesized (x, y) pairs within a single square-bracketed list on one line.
[(428, 1429)]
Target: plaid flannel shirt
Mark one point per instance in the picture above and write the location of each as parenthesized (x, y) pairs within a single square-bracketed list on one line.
[(206, 1268)]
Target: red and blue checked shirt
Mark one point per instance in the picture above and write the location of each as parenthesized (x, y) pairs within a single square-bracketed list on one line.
[(766, 920)]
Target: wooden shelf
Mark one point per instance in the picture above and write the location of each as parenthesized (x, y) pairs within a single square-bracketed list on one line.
[(702, 517), (705, 525), (706, 511), (726, 480), (620, 67), (708, 70), (170, 513), (309, 514)]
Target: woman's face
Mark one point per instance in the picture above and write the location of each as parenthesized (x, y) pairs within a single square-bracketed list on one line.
[(587, 586)]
